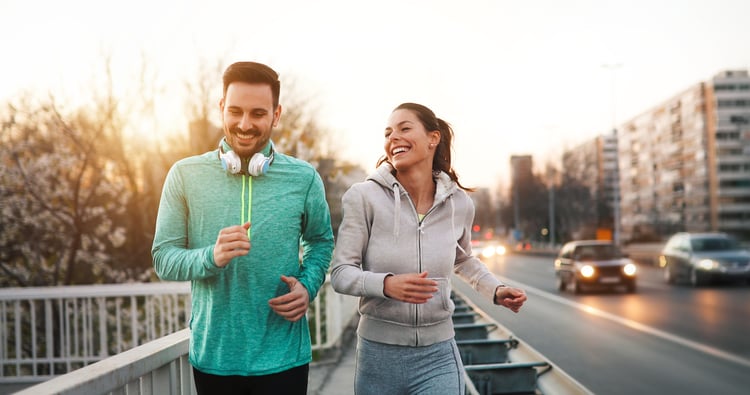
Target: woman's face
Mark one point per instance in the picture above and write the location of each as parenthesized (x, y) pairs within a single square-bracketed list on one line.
[(407, 143)]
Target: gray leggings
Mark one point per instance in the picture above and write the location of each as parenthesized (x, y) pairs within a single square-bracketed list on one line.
[(401, 370)]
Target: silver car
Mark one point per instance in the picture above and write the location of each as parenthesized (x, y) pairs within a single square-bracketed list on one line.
[(701, 258)]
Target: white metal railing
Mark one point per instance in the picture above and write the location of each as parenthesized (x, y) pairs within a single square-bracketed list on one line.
[(158, 367), (45, 332)]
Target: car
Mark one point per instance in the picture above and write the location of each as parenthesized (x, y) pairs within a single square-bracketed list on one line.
[(488, 249), (587, 264), (704, 258)]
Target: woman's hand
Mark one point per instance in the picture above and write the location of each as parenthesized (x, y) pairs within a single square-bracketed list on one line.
[(410, 288), (512, 298)]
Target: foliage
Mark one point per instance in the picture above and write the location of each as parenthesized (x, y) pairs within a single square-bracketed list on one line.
[(79, 196), (64, 203)]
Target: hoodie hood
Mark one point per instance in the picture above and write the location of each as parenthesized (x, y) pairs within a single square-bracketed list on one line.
[(444, 190)]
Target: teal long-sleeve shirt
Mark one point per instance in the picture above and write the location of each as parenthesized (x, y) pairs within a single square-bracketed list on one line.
[(233, 329)]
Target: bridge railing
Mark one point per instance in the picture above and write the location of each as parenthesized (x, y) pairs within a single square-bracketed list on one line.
[(50, 331)]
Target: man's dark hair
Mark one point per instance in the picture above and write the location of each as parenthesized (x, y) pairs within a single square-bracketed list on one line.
[(253, 73)]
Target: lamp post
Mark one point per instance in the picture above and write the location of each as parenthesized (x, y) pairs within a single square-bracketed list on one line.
[(612, 67), (551, 174)]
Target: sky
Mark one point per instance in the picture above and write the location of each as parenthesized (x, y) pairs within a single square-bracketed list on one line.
[(529, 77)]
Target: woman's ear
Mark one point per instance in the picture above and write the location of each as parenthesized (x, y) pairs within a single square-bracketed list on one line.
[(435, 138)]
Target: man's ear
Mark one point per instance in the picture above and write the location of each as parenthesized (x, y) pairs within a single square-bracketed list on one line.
[(276, 116)]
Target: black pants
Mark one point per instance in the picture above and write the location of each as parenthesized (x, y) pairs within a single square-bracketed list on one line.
[(292, 382)]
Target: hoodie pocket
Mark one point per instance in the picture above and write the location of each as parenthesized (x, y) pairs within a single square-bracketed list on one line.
[(388, 310), (439, 308)]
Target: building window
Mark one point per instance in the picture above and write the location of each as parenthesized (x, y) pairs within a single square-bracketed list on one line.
[(735, 183), (726, 136)]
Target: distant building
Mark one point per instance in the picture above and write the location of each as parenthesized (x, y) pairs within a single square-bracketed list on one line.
[(522, 176), (594, 164), (521, 167), (685, 164)]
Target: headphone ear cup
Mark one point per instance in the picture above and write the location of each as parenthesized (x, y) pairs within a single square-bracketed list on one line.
[(231, 162), (258, 165)]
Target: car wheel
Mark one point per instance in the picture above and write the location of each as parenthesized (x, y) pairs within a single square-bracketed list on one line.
[(560, 283), (669, 277), (696, 279)]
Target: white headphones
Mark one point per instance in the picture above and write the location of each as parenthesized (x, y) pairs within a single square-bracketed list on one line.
[(231, 162)]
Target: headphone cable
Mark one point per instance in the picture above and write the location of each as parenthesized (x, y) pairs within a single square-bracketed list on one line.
[(249, 201)]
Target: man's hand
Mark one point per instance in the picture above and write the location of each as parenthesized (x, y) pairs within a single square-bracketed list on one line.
[(231, 242), (512, 298), (410, 288), (293, 305)]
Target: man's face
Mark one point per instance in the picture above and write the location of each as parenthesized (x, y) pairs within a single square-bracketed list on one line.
[(248, 116)]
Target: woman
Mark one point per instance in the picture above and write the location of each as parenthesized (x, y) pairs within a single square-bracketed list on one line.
[(405, 230)]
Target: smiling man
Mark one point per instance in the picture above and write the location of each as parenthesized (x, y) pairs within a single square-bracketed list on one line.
[(232, 222)]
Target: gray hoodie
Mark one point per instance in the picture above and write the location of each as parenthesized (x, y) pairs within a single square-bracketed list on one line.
[(381, 234)]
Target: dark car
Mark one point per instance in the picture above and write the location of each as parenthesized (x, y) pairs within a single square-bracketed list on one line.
[(589, 264), (702, 258)]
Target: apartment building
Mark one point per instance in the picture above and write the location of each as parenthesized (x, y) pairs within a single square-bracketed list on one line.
[(685, 163), (593, 163)]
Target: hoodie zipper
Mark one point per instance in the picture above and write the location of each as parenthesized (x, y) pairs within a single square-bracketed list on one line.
[(419, 252)]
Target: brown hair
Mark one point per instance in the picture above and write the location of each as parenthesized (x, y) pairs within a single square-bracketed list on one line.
[(253, 73), (442, 159)]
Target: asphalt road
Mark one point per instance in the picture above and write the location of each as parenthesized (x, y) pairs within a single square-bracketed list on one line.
[(664, 339)]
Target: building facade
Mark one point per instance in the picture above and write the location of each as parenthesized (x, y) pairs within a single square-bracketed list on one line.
[(685, 163), (594, 164)]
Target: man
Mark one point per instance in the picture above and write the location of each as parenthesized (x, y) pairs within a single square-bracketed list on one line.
[(232, 221)]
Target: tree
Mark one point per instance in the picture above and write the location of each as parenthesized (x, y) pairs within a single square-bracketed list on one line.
[(531, 200), (576, 214), (63, 202), (79, 194)]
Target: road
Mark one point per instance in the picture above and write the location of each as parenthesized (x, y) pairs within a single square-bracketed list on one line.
[(663, 339)]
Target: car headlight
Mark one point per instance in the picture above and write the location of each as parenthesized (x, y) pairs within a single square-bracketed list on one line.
[(708, 264), (500, 250), (629, 269), (488, 252), (587, 271)]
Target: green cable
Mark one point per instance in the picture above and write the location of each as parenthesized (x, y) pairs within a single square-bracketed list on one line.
[(249, 201)]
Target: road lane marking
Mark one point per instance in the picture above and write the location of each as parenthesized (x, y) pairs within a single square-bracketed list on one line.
[(632, 324)]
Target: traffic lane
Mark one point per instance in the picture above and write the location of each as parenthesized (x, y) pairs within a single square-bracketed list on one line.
[(610, 358), (714, 315)]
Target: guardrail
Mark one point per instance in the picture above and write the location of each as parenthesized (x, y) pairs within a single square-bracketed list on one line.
[(157, 367), (497, 362), (48, 331), (87, 338)]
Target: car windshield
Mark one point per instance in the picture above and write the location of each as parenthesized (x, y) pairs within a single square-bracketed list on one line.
[(597, 252), (714, 244)]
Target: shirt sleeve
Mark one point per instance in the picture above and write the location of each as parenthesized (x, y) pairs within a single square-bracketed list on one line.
[(172, 258), (347, 274), (469, 267), (317, 238)]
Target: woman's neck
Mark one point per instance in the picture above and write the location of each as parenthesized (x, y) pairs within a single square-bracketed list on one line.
[(420, 186)]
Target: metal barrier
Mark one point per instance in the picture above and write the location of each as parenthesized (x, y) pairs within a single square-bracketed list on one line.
[(496, 362), (82, 330), (157, 367), (48, 331)]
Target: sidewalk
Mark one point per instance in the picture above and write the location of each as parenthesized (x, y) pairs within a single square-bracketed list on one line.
[(335, 374)]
